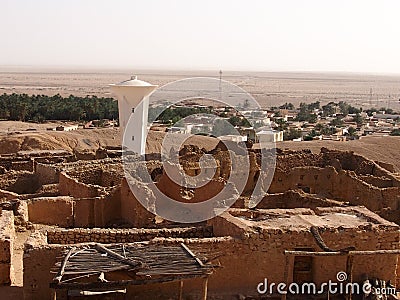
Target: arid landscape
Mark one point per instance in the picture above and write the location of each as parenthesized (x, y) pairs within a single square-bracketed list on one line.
[(66, 188), (268, 88), (199, 150)]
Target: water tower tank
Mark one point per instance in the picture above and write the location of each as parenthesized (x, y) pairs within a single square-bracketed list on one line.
[(133, 98)]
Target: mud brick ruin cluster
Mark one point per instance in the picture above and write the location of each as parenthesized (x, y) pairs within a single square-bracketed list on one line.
[(70, 200)]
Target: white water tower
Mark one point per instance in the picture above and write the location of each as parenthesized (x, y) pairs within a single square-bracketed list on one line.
[(133, 98)]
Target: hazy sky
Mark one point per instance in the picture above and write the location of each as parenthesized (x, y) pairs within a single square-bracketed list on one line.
[(298, 35)]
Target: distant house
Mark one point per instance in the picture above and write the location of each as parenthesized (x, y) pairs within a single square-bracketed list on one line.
[(233, 138), (249, 132), (67, 127), (269, 136)]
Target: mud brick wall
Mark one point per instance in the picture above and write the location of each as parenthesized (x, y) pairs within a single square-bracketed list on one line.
[(386, 166), (103, 172), (39, 259), (7, 235), (69, 186), (8, 195), (260, 254), (380, 182), (16, 164), (66, 211), (55, 159), (342, 185), (287, 159), (46, 173), (132, 211), (111, 177), (21, 182), (98, 211), (87, 175), (244, 261), (294, 199), (108, 236), (22, 165), (52, 211), (98, 176)]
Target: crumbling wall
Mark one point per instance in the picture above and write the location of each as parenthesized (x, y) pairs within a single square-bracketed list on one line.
[(177, 192), (20, 182), (295, 199), (52, 211), (7, 235), (47, 190), (39, 259), (69, 186), (108, 208), (132, 211), (26, 165), (8, 195), (111, 176), (16, 163), (289, 159), (380, 182), (342, 185), (46, 173), (108, 236), (104, 172), (86, 175), (386, 166), (21, 215), (98, 211)]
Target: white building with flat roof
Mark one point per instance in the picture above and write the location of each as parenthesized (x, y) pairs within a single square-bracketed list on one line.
[(269, 136)]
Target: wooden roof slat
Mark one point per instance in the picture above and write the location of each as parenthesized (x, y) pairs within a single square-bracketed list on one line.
[(64, 263), (163, 263)]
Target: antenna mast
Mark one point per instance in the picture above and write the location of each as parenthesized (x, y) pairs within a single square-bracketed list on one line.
[(220, 85), (370, 96)]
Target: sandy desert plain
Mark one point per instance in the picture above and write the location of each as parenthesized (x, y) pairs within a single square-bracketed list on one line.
[(268, 88)]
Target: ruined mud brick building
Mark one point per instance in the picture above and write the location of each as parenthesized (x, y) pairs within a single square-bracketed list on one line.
[(331, 202)]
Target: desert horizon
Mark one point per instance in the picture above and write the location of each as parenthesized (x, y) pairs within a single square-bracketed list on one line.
[(268, 88)]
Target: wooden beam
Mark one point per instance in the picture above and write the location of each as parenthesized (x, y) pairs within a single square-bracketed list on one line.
[(353, 253), (120, 283), (181, 290), (192, 255), (286, 275), (133, 263), (349, 271), (64, 263), (205, 287), (78, 293)]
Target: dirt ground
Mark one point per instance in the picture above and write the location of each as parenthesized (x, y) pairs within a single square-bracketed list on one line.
[(384, 149), (84, 139)]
